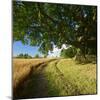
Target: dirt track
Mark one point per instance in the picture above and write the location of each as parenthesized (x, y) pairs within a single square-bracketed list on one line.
[(35, 84)]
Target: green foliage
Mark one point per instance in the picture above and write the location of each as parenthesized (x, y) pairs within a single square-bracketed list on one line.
[(24, 56), (45, 25), (20, 55), (45, 56), (70, 52), (36, 56)]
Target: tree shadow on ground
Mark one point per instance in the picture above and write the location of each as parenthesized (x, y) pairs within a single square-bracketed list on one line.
[(35, 86)]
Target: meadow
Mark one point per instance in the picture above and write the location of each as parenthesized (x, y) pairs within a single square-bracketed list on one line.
[(47, 27), (42, 77)]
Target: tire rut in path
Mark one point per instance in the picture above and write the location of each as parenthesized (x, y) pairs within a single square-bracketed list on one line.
[(35, 84), (67, 85)]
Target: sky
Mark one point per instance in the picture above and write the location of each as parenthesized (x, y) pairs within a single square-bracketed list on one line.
[(18, 48), (54, 53)]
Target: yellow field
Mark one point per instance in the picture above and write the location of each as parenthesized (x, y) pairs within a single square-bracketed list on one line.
[(22, 67), (52, 77)]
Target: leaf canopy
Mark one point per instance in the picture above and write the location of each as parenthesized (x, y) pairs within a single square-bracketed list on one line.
[(45, 25)]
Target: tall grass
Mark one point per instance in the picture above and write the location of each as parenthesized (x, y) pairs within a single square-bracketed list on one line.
[(73, 78), (27, 76), (59, 77), (22, 68)]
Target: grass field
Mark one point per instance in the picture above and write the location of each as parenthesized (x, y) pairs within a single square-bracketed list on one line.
[(23, 67), (52, 77)]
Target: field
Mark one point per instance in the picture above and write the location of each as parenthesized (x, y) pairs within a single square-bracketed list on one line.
[(34, 78)]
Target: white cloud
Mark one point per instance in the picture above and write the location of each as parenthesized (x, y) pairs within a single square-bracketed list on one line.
[(64, 46), (56, 51)]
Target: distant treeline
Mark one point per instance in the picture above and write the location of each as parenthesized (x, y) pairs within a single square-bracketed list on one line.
[(27, 56)]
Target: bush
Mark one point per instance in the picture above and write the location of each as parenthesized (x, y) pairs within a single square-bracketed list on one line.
[(89, 58), (68, 53), (36, 56)]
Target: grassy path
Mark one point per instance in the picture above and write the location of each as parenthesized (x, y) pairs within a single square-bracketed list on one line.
[(67, 85), (65, 78), (57, 77)]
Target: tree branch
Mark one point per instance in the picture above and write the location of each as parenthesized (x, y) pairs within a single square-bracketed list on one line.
[(43, 13)]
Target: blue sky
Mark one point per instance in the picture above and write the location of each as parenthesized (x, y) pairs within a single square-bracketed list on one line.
[(18, 48)]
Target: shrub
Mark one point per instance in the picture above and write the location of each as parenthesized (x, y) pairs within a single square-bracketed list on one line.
[(36, 56), (68, 53)]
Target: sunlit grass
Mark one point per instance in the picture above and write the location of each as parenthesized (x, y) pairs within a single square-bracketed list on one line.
[(76, 78), (62, 77)]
